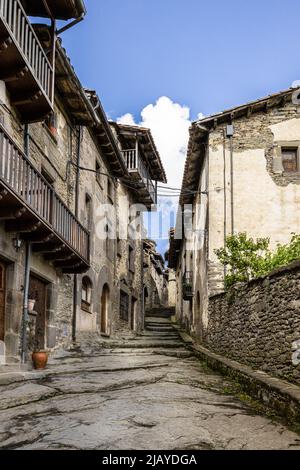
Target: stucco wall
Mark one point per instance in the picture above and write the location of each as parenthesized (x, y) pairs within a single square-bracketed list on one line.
[(264, 197)]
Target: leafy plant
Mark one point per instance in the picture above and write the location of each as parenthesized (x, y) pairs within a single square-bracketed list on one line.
[(246, 258)]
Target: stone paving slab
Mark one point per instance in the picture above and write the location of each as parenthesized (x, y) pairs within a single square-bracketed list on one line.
[(129, 398)]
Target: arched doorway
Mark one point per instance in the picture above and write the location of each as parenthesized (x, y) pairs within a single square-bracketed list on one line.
[(104, 309)]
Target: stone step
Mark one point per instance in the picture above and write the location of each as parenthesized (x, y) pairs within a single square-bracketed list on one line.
[(161, 312), (159, 328)]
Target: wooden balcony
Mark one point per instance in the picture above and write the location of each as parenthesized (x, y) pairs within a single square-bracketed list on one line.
[(187, 286), (24, 65), (30, 207), (141, 179)]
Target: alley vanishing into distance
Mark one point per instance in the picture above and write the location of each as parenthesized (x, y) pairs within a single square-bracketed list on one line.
[(147, 392)]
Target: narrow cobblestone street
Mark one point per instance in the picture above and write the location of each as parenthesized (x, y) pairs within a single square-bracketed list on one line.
[(151, 393)]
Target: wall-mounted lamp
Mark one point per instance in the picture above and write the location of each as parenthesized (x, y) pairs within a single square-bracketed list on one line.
[(17, 242)]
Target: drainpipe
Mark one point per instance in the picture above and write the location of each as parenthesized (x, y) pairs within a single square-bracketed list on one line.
[(25, 303), (26, 273), (230, 132), (75, 288), (225, 194)]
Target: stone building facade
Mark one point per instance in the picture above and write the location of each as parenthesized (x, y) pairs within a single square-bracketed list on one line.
[(241, 175), (136, 195), (62, 174)]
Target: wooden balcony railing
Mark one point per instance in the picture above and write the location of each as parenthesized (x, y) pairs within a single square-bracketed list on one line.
[(22, 37), (136, 165), (187, 286), (31, 188)]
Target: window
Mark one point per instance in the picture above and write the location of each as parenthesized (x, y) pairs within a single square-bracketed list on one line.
[(86, 294), (51, 124), (290, 160), (88, 211), (110, 190), (98, 173), (124, 306), (119, 247), (131, 259)]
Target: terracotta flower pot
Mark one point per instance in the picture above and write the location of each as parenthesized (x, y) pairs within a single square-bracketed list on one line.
[(39, 359)]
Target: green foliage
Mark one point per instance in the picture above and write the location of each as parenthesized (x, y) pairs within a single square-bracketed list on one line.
[(246, 258)]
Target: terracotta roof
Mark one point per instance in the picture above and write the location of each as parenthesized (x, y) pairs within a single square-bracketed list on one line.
[(252, 106)]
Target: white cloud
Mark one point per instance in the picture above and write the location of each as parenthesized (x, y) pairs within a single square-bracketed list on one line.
[(169, 123), (200, 116), (126, 119)]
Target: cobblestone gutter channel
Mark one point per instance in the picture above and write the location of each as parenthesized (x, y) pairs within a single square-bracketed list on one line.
[(275, 393), (153, 395)]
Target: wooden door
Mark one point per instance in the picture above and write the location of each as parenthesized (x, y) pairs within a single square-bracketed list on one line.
[(124, 306), (37, 291), (2, 299)]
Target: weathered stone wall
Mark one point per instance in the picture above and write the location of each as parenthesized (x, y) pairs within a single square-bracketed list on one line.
[(49, 154), (129, 273), (258, 324)]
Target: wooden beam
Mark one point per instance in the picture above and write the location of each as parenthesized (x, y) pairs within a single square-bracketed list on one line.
[(13, 74), (76, 269), (39, 237), (27, 99), (48, 247), (7, 213), (69, 95), (71, 261), (4, 44), (3, 193), (61, 76), (100, 134), (22, 226), (58, 255)]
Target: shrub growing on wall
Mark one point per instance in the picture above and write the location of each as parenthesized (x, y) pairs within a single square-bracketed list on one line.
[(246, 258)]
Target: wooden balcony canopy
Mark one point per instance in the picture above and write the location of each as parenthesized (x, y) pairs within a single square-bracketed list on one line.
[(142, 161), (60, 9), (24, 65), (30, 207), (128, 136)]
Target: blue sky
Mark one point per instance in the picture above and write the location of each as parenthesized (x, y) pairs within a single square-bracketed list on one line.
[(170, 60), (206, 55)]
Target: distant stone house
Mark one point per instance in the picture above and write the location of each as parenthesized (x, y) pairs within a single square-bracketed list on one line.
[(61, 162), (136, 195), (155, 277), (242, 174)]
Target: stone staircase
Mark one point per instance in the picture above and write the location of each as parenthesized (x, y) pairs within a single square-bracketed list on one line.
[(161, 312), (159, 329)]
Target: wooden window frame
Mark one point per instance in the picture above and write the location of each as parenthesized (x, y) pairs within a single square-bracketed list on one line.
[(86, 287), (110, 190), (98, 173), (290, 149), (131, 259), (89, 211)]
